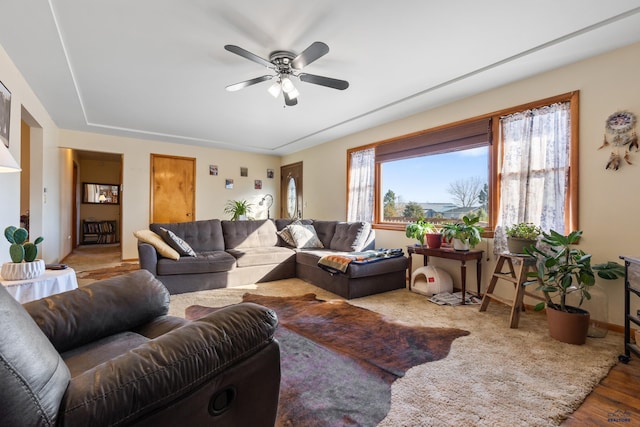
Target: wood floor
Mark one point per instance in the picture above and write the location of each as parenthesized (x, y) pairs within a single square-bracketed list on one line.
[(614, 402)]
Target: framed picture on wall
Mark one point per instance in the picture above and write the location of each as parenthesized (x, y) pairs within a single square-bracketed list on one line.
[(244, 171), (257, 184), (270, 173), (5, 114), (228, 183), (213, 170)]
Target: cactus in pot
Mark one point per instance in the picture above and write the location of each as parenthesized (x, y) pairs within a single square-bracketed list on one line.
[(20, 249)]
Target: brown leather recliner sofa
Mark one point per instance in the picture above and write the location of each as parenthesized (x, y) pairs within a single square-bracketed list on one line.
[(107, 354), (233, 253)]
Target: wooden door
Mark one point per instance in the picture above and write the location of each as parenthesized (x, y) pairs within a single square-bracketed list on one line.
[(173, 188), (291, 191)]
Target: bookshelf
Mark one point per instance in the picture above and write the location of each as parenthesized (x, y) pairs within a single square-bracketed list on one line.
[(99, 232)]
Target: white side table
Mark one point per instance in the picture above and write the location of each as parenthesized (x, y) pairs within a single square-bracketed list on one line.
[(49, 283)]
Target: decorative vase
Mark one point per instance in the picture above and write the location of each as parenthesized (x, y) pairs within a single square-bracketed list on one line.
[(460, 245), (22, 270), (434, 240), (568, 327), (516, 245)]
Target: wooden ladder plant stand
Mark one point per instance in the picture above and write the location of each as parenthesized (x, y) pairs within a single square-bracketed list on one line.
[(519, 266)]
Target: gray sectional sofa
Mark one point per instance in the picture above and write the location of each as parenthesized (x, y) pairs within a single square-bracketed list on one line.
[(233, 253)]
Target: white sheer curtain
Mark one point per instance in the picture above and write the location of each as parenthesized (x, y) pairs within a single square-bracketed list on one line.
[(535, 168), (361, 185)]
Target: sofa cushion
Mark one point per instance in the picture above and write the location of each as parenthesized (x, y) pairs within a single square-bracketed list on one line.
[(249, 234), (284, 235), (157, 242), (325, 231), (176, 242), (202, 236), (203, 262), (262, 256), (305, 236), (383, 266), (350, 236)]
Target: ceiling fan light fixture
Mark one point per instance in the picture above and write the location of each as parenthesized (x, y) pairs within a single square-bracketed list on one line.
[(275, 89), (287, 85), (293, 94)]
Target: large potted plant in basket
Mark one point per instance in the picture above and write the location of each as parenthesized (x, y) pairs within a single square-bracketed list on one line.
[(465, 234), (23, 255), (422, 229), (563, 269)]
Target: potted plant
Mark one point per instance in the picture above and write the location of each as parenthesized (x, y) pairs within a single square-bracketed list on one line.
[(23, 255), (563, 269), (465, 234), (421, 228), (521, 236), (238, 209)]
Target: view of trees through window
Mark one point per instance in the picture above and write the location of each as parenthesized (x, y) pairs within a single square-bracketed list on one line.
[(438, 187)]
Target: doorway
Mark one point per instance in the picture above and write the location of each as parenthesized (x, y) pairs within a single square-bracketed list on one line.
[(173, 189), (96, 221), (291, 191)]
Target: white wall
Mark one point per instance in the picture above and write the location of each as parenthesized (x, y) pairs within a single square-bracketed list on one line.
[(211, 194), (45, 167), (608, 199)]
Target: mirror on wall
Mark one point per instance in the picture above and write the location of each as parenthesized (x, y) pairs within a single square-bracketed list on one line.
[(103, 194)]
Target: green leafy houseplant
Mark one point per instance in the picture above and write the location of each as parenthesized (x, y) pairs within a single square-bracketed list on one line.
[(20, 249), (521, 236), (563, 269), (238, 208), (417, 230), (466, 231), (523, 230)]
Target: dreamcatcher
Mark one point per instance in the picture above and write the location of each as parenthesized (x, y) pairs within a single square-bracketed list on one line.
[(620, 132)]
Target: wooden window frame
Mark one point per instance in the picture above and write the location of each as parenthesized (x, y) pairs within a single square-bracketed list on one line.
[(495, 162)]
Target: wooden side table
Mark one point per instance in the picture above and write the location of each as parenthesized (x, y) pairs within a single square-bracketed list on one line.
[(450, 253)]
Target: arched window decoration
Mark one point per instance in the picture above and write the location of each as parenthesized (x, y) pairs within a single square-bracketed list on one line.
[(291, 198)]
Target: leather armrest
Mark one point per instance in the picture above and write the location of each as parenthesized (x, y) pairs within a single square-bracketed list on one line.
[(148, 257), (168, 367), (100, 309)]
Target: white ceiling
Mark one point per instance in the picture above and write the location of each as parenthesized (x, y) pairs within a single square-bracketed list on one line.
[(157, 68)]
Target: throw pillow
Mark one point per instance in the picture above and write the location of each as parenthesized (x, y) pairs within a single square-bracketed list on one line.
[(177, 243), (156, 241), (285, 234), (305, 236)]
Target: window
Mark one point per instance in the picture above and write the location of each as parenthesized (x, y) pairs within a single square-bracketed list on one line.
[(467, 169)]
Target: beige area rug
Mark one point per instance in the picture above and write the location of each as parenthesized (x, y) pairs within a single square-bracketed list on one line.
[(495, 376)]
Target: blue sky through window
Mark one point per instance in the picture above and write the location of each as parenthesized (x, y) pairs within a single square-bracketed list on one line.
[(426, 179)]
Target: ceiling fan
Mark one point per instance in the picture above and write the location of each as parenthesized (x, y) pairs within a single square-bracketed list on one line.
[(286, 65)]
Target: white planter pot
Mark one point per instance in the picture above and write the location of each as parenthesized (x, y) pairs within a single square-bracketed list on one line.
[(22, 270), (460, 245)]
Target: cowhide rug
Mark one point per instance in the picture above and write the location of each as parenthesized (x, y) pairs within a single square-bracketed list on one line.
[(338, 360)]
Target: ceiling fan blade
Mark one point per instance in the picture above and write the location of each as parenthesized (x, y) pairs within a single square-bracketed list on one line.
[(324, 81), (310, 54), (241, 85), (250, 56), (289, 101)]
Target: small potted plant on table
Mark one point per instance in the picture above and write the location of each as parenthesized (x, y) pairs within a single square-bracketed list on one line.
[(422, 229), (23, 254), (465, 234), (522, 235)]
